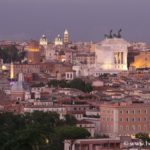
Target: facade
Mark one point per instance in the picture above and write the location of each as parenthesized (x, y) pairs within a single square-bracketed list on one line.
[(46, 108), (96, 122), (111, 54), (124, 118), (50, 53), (26, 69), (66, 37), (93, 144), (33, 55), (85, 58), (70, 75), (142, 60), (110, 57), (77, 110), (90, 126)]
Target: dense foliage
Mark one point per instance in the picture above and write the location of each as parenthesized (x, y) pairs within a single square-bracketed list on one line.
[(37, 131), (144, 137), (76, 84), (11, 53)]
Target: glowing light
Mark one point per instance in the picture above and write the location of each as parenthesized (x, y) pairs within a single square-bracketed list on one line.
[(47, 141), (133, 136), (33, 50), (4, 68), (11, 71), (63, 59)]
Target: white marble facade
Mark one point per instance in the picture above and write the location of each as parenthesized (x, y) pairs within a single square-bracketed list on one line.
[(111, 54), (110, 57)]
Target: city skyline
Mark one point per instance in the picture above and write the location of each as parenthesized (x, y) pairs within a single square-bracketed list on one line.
[(85, 20)]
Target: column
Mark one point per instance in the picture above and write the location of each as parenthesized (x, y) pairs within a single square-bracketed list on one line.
[(122, 61), (90, 146)]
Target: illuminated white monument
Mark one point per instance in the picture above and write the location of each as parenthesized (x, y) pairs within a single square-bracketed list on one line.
[(110, 57), (111, 54)]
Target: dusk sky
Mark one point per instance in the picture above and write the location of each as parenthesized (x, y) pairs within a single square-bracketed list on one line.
[(86, 20)]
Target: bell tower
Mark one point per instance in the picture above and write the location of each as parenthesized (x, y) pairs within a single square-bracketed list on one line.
[(66, 37)]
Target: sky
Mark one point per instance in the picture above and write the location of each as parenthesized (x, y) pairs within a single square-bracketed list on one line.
[(86, 20)]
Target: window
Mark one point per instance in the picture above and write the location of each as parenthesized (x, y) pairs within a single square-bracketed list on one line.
[(67, 75), (133, 119), (127, 111), (127, 128), (121, 112), (18, 98), (139, 111), (133, 111), (145, 111), (145, 119), (139, 119), (121, 119), (121, 127), (127, 119), (145, 127), (139, 127), (133, 127)]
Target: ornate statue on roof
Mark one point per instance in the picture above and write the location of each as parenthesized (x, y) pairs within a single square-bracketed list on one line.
[(113, 35)]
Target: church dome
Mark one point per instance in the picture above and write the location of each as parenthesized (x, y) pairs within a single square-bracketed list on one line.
[(44, 37)]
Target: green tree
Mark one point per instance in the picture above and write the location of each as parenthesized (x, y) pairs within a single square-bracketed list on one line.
[(68, 132), (11, 53), (37, 131), (70, 120), (144, 137)]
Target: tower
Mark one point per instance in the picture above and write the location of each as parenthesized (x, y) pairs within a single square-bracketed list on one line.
[(66, 37), (11, 71), (33, 52)]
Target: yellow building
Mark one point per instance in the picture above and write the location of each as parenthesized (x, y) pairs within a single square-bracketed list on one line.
[(33, 52), (142, 60)]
